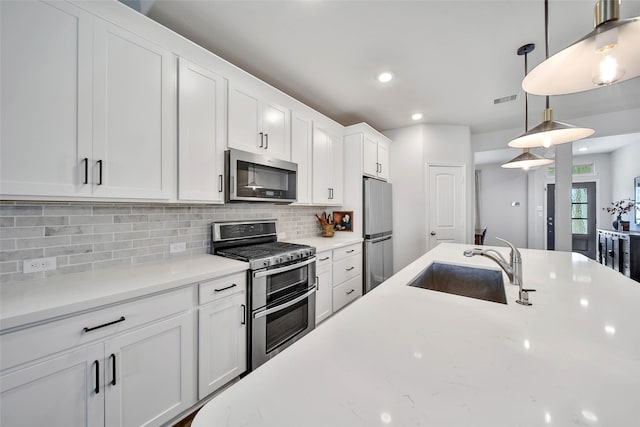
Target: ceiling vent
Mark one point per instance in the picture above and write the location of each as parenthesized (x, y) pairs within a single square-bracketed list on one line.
[(505, 99)]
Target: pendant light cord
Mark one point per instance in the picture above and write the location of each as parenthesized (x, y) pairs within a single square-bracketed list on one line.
[(526, 98)]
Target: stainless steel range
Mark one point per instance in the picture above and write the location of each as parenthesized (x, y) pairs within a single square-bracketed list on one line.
[(282, 284)]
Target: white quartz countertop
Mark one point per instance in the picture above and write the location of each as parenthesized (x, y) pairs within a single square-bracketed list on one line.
[(322, 244), (407, 356), (23, 303)]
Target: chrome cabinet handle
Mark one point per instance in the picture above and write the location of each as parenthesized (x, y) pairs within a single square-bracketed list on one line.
[(113, 367), (261, 140), (317, 283), (324, 259), (89, 329), (224, 289), (351, 250), (350, 268), (220, 183), (243, 321), (266, 141), (351, 291)]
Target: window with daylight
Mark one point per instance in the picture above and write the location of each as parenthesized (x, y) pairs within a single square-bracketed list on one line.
[(579, 211), (586, 169)]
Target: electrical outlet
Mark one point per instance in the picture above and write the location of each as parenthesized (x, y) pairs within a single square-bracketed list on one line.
[(177, 247), (39, 264)]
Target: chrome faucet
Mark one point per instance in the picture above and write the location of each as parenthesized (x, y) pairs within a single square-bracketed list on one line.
[(513, 268)]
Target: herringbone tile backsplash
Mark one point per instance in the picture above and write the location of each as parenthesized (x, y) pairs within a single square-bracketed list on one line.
[(91, 236)]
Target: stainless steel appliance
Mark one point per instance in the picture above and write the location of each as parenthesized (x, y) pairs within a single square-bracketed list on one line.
[(257, 178), (378, 235), (282, 284)]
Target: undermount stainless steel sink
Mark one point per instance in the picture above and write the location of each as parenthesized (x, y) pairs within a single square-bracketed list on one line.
[(480, 283)]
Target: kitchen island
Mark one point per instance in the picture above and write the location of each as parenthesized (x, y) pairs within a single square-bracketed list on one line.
[(407, 356)]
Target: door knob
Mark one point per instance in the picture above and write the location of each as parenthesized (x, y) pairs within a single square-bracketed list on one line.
[(433, 233)]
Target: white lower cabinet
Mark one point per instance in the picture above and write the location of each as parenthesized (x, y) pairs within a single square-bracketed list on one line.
[(339, 279), (144, 375), (324, 283), (222, 335), (347, 275)]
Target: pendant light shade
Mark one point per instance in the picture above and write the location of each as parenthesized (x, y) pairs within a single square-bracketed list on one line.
[(527, 160), (549, 133), (608, 54)]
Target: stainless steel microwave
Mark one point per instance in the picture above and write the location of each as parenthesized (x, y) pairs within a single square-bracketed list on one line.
[(257, 178)]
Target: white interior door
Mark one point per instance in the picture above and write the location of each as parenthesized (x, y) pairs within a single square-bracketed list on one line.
[(445, 204)]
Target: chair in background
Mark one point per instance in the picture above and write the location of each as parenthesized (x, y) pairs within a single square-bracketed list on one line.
[(479, 237)]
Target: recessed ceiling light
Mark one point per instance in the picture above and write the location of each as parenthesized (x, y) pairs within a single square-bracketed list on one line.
[(416, 116), (582, 149), (385, 77)]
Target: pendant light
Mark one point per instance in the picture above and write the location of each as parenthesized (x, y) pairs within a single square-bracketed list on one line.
[(608, 54), (527, 159), (549, 132)]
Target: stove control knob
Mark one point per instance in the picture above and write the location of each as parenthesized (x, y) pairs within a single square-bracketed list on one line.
[(265, 263)]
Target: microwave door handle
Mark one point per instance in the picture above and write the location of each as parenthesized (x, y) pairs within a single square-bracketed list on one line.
[(283, 269), (285, 305)]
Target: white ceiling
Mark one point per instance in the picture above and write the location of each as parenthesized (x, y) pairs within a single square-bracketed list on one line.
[(450, 58)]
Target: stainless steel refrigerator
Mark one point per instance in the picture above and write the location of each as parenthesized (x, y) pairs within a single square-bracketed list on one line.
[(378, 235)]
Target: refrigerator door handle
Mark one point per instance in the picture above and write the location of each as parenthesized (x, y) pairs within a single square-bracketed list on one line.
[(380, 239)]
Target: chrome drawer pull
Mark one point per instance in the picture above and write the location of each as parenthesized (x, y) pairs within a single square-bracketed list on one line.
[(351, 291), (350, 268), (324, 259), (351, 250), (86, 329), (224, 289)]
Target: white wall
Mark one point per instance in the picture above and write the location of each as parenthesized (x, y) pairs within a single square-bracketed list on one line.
[(411, 149), (627, 167), (498, 189)]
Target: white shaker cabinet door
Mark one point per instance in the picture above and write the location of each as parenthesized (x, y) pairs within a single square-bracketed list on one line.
[(244, 120), (133, 97), (45, 99), (324, 294), (321, 167), (150, 373), (222, 342), (337, 172), (201, 133), (383, 160), (66, 390), (370, 165), (275, 126), (301, 154)]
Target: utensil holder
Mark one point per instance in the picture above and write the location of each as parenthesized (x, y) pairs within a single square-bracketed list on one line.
[(327, 230)]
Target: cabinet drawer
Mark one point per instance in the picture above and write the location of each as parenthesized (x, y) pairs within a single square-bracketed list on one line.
[(347, 268), (222, 287), (32, 343), (324, 258), (345, 293), (347, 251)]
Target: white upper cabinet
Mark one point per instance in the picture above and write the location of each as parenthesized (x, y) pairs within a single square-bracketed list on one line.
[(86, 106), (375, 160), (327, 167), (132, 115), (301, 153), (45, 98), (201, 133), (257, 125)]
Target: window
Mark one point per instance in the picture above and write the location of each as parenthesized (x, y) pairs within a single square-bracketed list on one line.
[(586, 169), (579, 211)]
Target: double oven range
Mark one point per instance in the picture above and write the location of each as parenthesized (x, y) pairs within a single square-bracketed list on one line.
[(281, 284)]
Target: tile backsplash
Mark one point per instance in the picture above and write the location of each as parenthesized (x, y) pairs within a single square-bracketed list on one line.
[(86, 236)]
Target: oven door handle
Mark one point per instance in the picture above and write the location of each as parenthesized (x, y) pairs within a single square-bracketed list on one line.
[(283, 269), (285, 305)]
